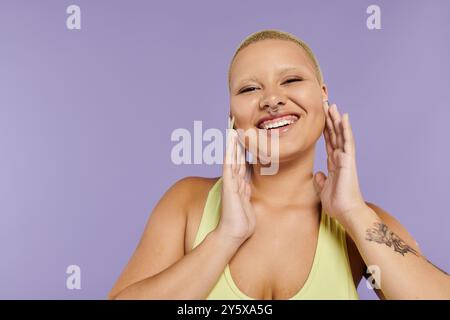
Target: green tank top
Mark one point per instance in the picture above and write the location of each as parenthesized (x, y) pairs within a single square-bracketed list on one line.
[(329, 278)]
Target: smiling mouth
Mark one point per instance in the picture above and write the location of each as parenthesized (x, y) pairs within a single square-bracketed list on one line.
[(279, 122)]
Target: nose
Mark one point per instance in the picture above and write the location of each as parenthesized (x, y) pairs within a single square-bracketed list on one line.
[(272, 101)]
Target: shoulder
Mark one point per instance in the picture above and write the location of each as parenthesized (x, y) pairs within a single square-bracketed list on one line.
[(181, 197), (192, 187), (188, 189), (163, 240), (179, 207)]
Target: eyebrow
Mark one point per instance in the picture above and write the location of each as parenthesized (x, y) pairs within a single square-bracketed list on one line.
[(288, 69)]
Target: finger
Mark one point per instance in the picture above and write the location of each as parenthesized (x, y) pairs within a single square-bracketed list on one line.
[(337, 122), (239, 153), (248, 211), (229, 153), (234, 166), (226, 157), (330, 128), (248, 190), (247, 196), (330, 151), (242, 166), (241, 184), (336, 117), (328, 146), (240, 136), (349, 143), (248, 172)]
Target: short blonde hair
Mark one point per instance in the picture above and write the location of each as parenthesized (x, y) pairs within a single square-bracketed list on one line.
[(277, 35)]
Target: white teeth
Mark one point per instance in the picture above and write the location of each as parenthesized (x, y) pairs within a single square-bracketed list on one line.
[(276, 124)]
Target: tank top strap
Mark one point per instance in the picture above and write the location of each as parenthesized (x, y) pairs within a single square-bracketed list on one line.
[(335, 267), (337, 230), (211, 213)]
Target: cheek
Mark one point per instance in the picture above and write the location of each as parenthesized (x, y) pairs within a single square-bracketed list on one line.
[(307, 98), (243, 111), (315, 125)]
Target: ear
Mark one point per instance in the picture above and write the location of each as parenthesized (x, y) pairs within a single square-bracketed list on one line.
[(324, 92)]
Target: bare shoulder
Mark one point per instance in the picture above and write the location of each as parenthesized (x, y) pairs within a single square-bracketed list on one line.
[(191, 191), (163, 240), (188, 191), (197, 182), (189, 196), (189, 188)]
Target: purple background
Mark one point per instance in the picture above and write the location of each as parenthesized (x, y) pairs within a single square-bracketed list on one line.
[(86, 118)]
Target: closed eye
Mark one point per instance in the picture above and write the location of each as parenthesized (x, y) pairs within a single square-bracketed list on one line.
[(248, 89), (293, 80)]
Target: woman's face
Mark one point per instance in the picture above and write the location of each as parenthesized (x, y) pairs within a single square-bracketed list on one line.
[(273, 78)]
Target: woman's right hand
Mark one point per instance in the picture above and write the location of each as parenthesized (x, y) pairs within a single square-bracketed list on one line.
[(237, 221)]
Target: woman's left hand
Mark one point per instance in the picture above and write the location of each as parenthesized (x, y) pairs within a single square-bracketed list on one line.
[(339, 191)]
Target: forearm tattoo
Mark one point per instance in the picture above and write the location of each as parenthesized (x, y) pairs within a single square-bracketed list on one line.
[(380, 233)]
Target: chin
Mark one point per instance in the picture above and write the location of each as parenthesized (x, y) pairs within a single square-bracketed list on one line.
[(288, 151)]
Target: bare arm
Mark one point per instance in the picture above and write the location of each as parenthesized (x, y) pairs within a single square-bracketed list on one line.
[(192, 277), (405, 273), (159, 269), (381, 241)]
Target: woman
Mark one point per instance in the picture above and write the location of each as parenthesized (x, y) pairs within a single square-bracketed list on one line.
[(289, 235)]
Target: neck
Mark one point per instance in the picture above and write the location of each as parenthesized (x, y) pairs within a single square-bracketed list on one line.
[(291, 185)]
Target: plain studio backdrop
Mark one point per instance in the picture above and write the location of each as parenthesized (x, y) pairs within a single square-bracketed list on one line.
[(86, 117)]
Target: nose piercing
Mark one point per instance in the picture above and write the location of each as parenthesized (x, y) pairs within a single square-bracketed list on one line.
[(273, 110)]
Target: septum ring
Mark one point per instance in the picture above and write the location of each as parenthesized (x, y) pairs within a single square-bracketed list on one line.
[(273, 111)]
